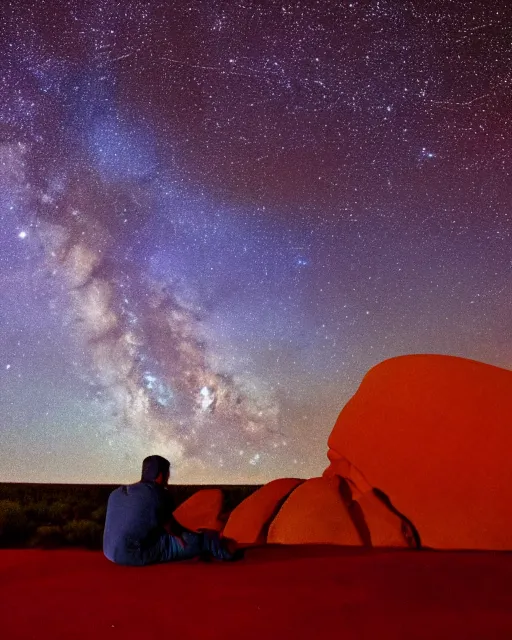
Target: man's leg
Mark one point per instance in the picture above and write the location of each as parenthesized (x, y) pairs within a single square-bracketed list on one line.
[(217, 546), (170, 548)]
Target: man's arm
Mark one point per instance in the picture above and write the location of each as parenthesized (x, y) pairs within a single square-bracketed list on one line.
[(173, 527), (170, 524)]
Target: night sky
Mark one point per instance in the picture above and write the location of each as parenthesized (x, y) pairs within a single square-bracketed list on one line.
[(215, 217)]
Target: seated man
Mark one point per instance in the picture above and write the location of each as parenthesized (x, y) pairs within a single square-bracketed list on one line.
[(140, 528)]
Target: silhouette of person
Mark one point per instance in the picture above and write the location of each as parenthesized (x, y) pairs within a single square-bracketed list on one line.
[(140, 528)]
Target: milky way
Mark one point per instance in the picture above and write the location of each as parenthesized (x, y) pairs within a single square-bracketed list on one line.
[(215, 217)]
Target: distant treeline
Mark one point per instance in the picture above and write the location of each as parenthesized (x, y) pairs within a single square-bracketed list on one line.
[(59, 515)]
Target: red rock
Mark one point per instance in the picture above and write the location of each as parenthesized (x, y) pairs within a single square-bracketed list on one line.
[(314, 513), (203, 510), (435, 434), (386, 528), (248, 522), (342, 467)]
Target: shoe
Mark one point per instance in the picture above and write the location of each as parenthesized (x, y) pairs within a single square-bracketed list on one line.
[(215, 546)]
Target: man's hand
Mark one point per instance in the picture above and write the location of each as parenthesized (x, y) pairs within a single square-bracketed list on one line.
[(173, 527)]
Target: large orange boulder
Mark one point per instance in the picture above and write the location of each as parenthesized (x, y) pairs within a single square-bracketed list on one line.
[(385, 527), (315, 513), (203, 510), (434, 433), (248, 522), (343, 468)]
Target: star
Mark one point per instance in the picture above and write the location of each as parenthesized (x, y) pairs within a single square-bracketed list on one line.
[(425, 154)]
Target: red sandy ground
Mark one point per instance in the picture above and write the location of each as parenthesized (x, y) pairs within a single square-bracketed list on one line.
[(276, 592)]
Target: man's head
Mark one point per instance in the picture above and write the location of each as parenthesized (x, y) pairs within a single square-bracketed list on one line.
[(156, 469)]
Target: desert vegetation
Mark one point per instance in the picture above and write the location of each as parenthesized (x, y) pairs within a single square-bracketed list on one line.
[(57, 516)]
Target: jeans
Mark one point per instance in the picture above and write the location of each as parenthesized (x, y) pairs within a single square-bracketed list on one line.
[(169, 548)]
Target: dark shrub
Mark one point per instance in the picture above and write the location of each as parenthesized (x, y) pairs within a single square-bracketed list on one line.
[(48, 537), (37, 512), (82, 510), (13, 523), (84, 533), (98, 515), (59, 513)]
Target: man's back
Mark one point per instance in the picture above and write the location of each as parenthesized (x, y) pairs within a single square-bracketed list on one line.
[(139, 516), (135, 517)]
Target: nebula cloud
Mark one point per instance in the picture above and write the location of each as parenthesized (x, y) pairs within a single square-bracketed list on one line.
[(150, 354)]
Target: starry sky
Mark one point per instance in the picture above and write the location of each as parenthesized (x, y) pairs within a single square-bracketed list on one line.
[(215, 217)]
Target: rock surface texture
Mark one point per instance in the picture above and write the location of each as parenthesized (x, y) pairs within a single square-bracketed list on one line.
[(203, 510), (249, 521), (315, 513)]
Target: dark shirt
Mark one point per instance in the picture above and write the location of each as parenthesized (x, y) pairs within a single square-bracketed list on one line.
[(136, 515)]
